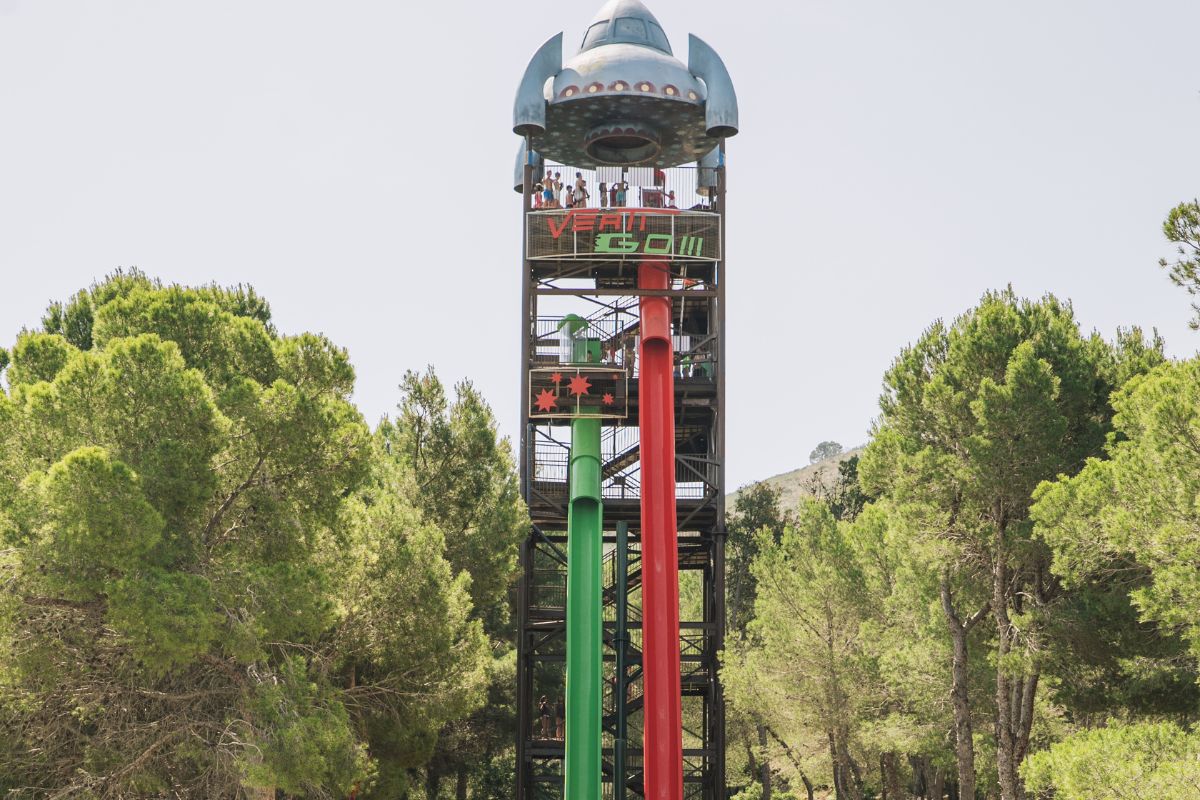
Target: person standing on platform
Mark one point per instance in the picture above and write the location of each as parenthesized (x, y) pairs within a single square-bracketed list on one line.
[(560, 719), (544, 711), (580, 189)]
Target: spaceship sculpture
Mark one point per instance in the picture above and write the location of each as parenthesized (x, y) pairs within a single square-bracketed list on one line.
[(624, 99)]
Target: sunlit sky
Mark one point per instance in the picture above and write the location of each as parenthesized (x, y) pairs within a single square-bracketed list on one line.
[(353, 162)]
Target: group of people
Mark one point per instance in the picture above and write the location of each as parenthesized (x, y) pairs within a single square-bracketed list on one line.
[(551, 192), (553, 716)]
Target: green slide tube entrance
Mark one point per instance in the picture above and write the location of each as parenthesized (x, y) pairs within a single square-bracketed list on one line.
[(585, 523)]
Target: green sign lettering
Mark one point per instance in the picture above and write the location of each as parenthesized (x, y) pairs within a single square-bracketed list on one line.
[(659, 244), (616, 243)]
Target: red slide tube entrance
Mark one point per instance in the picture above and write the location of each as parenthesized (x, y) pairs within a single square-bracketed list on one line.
[(663, 745)]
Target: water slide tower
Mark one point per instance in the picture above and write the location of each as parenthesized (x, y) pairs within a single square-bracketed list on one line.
[(621, 171)]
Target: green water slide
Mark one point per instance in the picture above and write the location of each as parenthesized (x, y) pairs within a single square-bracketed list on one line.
[(581, 776)]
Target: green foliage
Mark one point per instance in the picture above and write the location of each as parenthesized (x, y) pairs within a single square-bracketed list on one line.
[(38, 357), (465, 481), (845, 495), (407, 613), (74, 320), (169, 618), (222, 345), (752, 792), (496, 782), (213, 577), (980, 412), (1182, 227), (975, 415), (756, 509), (93, 523), (303, 737), (824, 450), (1147, 761), (802, 669), (1137, 510)]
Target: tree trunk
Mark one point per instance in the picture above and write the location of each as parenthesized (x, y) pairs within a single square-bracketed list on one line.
[(935, 780), (846, 773), (1005, 746), (764, 767), (838, 791), (916, 787), (889, 764), (432, 782), (856, 780), (1014, 693), (787, 750), (808, 787), (964, 745), (460, 785)]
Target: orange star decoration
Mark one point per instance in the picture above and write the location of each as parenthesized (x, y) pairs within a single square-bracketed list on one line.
[(608, 399), (556, 378), (545, 400), (579, 385)]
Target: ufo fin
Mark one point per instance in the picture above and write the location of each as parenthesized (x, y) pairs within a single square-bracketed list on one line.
[(720, 110), (529, 109), (523, 157)]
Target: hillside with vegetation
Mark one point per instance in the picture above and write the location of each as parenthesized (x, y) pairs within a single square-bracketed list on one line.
[(806, 481)]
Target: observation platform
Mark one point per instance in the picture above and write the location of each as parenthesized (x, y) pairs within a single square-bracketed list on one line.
[(661, 213)]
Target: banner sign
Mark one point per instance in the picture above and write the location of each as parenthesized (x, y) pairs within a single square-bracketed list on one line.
[(617, 233), (578, 391)]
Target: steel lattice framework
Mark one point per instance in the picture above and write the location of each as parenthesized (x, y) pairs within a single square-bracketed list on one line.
[(569, 270)]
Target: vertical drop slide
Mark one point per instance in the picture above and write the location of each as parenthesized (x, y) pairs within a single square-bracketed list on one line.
[(663, 745), (581, 771)]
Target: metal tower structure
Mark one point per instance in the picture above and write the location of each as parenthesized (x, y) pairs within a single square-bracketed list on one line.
[(622, 445)]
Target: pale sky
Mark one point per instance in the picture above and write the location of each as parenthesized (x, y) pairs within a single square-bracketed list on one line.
[(353, 162)]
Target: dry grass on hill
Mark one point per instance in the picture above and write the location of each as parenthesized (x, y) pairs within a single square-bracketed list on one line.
[(799, 482)]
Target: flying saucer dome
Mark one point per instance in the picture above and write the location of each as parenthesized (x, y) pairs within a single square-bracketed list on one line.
[(637, 26), (624, 99)]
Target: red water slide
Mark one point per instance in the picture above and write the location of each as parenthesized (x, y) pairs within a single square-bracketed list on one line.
[(663, 745)]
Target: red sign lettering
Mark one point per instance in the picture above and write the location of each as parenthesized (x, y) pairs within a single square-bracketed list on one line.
[(584, 219)]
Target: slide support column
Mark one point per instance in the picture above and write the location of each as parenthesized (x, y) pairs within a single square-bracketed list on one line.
[(581, 770), (663, 746), (621, 645)]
